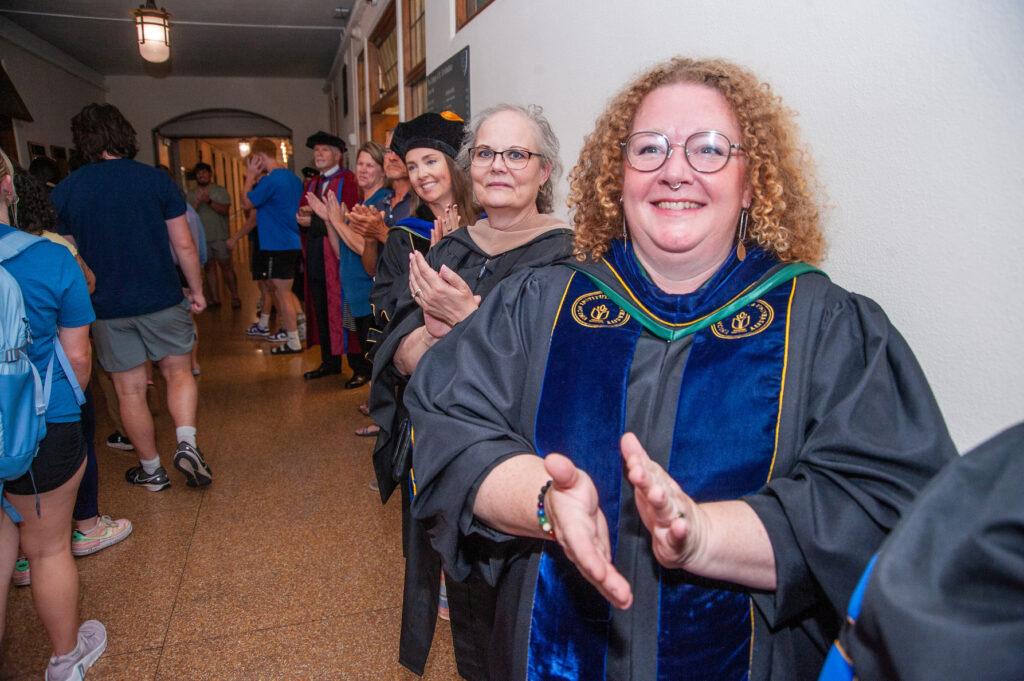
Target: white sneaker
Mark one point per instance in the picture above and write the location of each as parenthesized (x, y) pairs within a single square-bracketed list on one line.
[(92, 641)]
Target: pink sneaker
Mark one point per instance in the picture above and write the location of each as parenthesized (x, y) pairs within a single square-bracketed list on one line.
[(22, 576), (106, 533)]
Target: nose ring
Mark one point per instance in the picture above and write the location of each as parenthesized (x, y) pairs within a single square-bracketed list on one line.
[(675, 186)]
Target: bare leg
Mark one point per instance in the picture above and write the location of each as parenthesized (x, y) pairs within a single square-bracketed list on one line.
[(267, 296), (227, 271), (211, 280), (46, 541), (107, 386), (182, 393), (286, 308), (8, 556), (130, 386)]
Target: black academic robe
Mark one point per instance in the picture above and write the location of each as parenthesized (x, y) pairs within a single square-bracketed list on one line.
[(471, 604), (859, 433), (392, 275), (945, 599)]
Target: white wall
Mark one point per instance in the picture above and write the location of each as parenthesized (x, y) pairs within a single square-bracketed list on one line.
[(51, 94), (911, 109), (147, 102)]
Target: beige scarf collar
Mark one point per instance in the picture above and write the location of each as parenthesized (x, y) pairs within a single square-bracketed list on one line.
[(497, 241)]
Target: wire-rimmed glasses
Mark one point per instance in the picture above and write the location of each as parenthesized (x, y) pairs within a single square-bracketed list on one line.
[(707, 151)]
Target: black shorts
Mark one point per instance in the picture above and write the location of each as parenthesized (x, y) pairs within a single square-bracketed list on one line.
[(60, 455), (283, 264), (259, 265)]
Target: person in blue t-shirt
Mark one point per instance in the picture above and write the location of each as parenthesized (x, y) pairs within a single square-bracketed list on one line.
[(57, 307), (126, 218), (276, 200)]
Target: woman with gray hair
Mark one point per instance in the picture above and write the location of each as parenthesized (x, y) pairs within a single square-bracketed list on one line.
[(511, 154)]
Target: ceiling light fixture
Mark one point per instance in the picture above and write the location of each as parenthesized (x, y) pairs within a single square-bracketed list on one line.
[(154, 32), (243, 148)]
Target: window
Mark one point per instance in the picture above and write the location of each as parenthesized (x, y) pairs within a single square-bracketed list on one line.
[(467, 9), (385, 42), (415, 57), (384, 65)]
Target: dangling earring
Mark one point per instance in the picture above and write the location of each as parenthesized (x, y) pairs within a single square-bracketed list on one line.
[(741, 250), (625, 235)]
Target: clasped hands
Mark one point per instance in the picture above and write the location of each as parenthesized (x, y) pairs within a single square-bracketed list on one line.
[(445, 297), (675, 521)]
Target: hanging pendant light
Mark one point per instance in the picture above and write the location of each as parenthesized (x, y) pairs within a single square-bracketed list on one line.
[(154, 32)]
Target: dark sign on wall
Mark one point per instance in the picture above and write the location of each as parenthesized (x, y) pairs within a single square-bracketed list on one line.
[(448, 85)]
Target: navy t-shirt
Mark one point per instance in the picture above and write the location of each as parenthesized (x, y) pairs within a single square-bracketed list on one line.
[(117, 211), (276, 199), (55, 295)]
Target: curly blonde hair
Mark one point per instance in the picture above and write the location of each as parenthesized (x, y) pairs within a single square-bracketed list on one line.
[(784, 216)]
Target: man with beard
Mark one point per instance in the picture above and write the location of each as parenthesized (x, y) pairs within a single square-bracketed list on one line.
[(213, 203), (324, 302)]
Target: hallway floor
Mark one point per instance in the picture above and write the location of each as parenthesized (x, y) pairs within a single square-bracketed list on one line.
[(286, 567)]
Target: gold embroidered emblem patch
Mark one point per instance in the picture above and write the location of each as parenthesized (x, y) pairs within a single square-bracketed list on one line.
[(596, 310), (750, 321)]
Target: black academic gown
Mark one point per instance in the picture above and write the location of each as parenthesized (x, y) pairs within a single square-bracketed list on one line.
[(859, 433), (392, 275), (945, 599), (471, 603)]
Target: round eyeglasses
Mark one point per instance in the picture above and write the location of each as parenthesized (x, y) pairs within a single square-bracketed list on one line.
[(515, 159), (706, 152)]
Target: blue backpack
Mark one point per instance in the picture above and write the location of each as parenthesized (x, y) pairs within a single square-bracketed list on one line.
[(23, 395)]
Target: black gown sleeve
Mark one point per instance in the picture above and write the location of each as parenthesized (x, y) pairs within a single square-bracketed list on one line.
[(860, 435), (473, 397), (946, 597)]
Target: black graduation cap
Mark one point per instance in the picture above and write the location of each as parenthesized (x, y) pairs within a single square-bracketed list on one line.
[(321, 137), (441, 131)]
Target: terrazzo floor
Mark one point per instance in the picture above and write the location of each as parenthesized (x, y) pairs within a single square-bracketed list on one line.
[(286, 567)]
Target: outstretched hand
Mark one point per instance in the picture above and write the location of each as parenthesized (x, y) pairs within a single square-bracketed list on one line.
[(670, 515), (581, 529)]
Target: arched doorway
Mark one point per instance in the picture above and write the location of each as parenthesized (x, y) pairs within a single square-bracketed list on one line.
[(212, 136)]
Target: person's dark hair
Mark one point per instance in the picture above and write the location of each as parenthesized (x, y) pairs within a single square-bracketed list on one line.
[(102, 127), (44, 169), (75, 160), (35, 213), (202, 166)]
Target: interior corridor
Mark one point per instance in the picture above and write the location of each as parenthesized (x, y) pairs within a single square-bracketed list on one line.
[(286, 567)]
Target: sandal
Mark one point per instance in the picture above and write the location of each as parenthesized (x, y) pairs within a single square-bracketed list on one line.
[(285, 350), (368, 431), (364, 409)]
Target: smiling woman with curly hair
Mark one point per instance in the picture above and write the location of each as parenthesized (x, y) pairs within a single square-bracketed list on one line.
[(677, 451), (784, 215)]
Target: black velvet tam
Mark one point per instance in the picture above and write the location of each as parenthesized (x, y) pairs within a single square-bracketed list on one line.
[(441, 131), (321, 137)]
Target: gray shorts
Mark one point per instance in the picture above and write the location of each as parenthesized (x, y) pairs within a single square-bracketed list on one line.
[(217, 250), (125, 343)]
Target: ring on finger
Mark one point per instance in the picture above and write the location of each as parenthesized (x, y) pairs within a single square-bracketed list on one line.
[(417, 292)]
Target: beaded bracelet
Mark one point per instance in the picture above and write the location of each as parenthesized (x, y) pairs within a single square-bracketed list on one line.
[(542, 518)]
